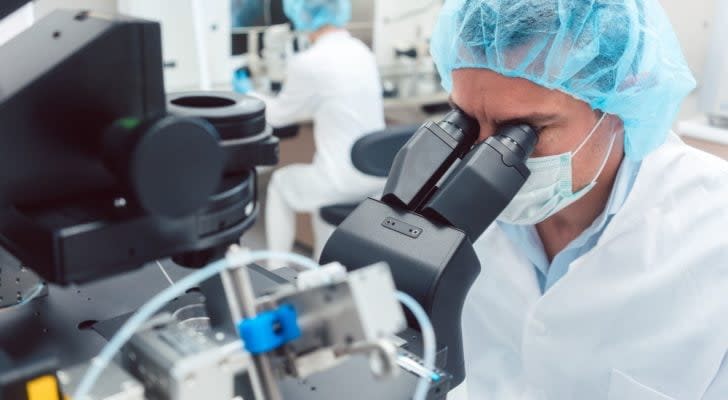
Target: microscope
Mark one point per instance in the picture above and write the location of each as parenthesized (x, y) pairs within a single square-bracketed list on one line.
[(103, 172), (442, 192)]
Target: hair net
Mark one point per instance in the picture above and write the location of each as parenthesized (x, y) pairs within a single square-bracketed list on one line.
[(621, 57), (310, 15)]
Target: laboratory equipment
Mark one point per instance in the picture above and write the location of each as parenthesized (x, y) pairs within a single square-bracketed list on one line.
[(104, 173), (94, 189), (297, 330), (10, 6), (401, 39), (443, 191), (262, 35), (257, 14)]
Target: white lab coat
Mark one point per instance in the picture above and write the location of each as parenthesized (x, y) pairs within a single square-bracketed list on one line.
[(642, 316), (336, 84)]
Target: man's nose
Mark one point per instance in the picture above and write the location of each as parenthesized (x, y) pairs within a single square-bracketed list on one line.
[(486, 131)]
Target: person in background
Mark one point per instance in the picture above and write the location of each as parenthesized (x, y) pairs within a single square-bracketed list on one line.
[(334, 83), (606, 277)]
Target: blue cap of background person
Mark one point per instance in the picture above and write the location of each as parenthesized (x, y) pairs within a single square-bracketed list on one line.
[(621, 57), (310, 15)]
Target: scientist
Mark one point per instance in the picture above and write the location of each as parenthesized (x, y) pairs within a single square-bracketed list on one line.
[(336, 84), (606, 278)]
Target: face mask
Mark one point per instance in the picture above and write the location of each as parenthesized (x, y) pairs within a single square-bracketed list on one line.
[(549, 188)]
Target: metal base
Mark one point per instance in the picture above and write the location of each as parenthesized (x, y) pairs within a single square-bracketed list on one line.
[(18, 284), (60, 323)]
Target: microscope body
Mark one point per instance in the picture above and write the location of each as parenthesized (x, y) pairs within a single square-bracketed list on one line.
[(442, 193), (422, 264)]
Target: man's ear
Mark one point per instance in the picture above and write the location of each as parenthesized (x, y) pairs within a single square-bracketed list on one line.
[(615, 122)]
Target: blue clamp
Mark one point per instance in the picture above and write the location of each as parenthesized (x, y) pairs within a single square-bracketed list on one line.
[(269, 330)]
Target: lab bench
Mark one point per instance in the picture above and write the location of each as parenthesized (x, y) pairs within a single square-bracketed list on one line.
[(698, 133)]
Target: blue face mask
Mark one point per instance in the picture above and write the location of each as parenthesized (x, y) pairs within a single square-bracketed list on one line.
[(549, 188)]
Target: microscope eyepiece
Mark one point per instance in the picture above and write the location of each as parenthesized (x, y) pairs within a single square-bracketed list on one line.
[(521, 139), (460, 126)]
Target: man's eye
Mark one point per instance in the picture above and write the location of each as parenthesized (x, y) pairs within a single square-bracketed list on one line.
[(538, 128)]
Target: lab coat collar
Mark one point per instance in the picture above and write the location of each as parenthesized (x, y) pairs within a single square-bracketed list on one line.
[(622, 185), (621, 189), (632, 205)]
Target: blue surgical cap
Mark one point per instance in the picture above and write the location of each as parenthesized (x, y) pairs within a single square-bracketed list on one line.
[(310, 15), (621, 57)]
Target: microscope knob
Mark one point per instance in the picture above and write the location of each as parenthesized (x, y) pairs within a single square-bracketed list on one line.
[(171, 165)]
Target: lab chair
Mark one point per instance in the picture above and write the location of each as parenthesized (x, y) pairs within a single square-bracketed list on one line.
[(286, 132), (373, 155)]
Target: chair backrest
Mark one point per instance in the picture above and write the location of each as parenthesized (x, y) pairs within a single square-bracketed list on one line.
[(286, 132), (374, 153)]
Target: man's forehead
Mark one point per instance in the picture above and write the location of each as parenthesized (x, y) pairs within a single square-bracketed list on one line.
[(530, 116), (487, 94)]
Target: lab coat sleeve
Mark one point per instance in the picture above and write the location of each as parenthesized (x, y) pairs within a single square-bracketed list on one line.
[(297, 100), (718, 389)]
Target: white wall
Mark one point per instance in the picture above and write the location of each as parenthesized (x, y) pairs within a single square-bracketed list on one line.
[(43, 7), (180, 52), (185, 68), (692, 21), (391, 29)]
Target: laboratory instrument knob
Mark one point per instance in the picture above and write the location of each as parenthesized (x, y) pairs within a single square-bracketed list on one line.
[(169, 165)]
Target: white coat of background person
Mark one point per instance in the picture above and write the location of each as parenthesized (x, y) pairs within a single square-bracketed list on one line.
[(606, 277), (336, 84)]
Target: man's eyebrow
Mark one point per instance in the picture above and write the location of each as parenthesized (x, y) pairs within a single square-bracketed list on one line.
[(536, 118)]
